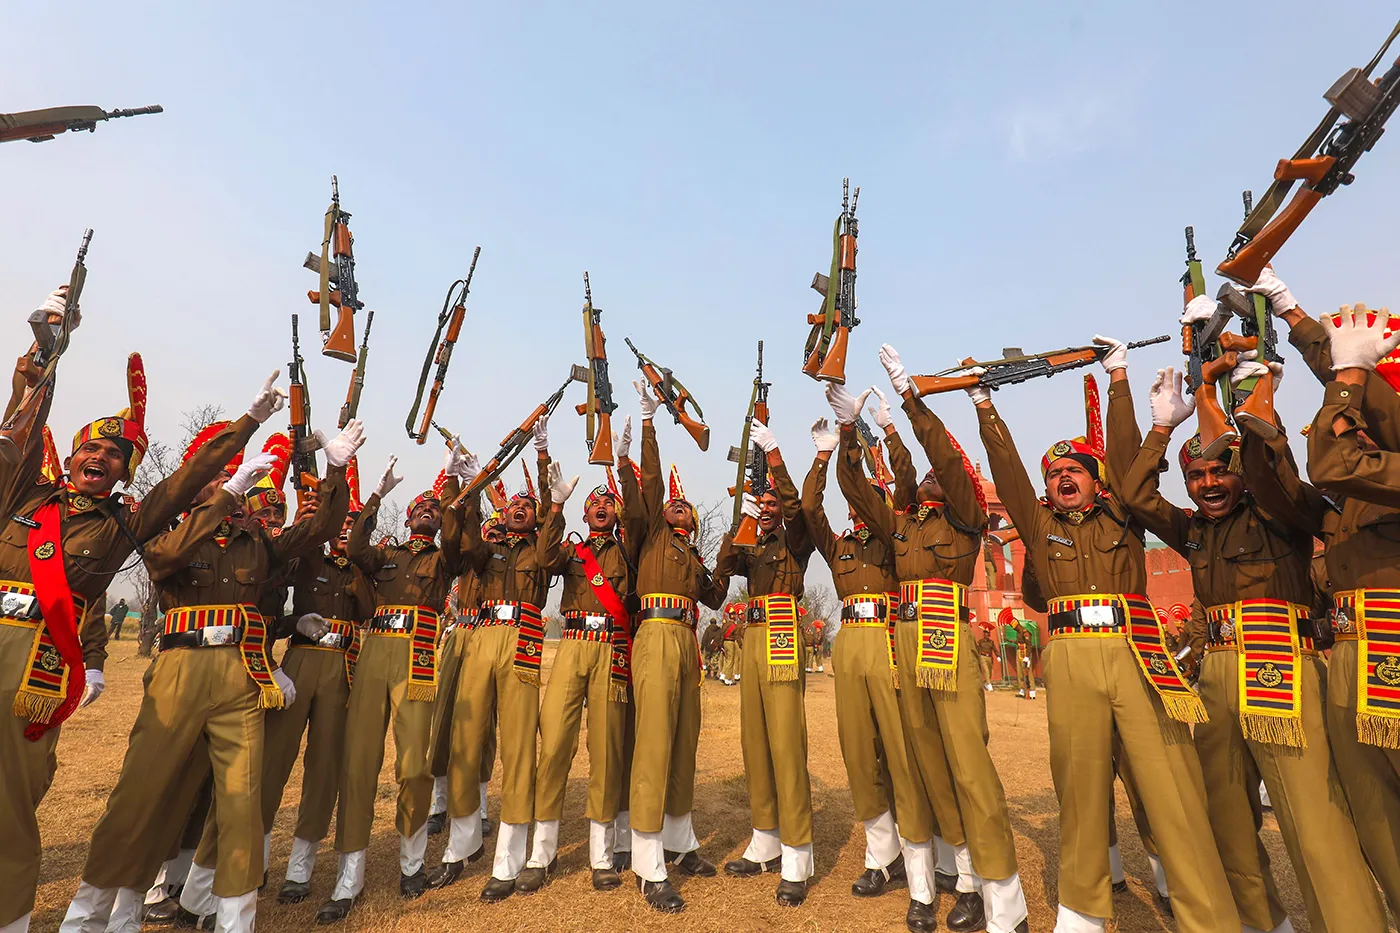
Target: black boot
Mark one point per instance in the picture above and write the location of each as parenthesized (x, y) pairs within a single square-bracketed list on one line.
[(162, 911), (691, 863), (335, 911), (445, 874), (185, 920), (661, 896), (921, 918), (487, 827), (875, 880), (437, 822), (532, 879), (1120, 886), (411, 886), (791, 893), (606, 879), (746, 868), (294, 892), (945, 884), (622, 861), (968, 914), (1164, 903), (497, 890)]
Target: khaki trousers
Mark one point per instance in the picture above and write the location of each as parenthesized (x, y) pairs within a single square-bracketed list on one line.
[(1130, 790), (1370, 774), (872, 736), (733, 659), (985, 663), (450, 653), (581, 672), (773, 735), (1025, 675), (1307, 800), (924, 740), (26, 770), (488, 692), (666, 694), (1095, 686), (962, 722), (323, 695), (193, 693), (377, 703)]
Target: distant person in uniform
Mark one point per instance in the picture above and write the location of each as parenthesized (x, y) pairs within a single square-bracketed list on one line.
[(119, 613)]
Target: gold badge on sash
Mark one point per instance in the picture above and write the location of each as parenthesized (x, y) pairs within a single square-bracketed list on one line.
[(1269, 675), (45, 551)]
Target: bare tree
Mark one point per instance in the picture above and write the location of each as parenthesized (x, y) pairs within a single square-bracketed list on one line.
[(821, 603)]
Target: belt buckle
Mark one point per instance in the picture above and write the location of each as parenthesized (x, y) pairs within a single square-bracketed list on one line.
[(16, 605), (503, 613), (909, 611), (593, 623), (1097, 616), (755, 614), (212, 635), (329, 640)]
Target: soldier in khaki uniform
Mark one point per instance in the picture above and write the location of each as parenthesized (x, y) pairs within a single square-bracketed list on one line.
[(1250, 570), (772, 717), (1088, 557), (396, 677), (937, 546), (730, 669), (867, 705), (591, 667), (671, 579), (1025, 662), (986, 656)]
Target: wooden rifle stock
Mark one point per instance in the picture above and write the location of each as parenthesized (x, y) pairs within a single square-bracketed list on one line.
[(933, 385), (1250, 261), (422, 436), (1216, 433), (833, 368), (700, 432), (341, 345), (602, 452), (746, 535)]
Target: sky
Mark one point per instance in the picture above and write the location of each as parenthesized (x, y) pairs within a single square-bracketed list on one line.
[(1025, 170)]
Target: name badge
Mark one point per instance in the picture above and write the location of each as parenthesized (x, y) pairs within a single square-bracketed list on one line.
[(199, 565), (1060, 540), (847, 557), (1193, 545), (899, 537), (390, 566), (498, 557), (26, 522), (576, 560), (323, 579)]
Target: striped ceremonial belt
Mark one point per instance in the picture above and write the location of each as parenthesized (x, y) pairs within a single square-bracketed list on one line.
[(1264, 634), (529, 636), (668, 608), (1130, 615), (420, 625), (45, 683), (939, 607), (1376, 616), (778, 612), (343, 637), (872, 610), (234, 624), (587, 626)]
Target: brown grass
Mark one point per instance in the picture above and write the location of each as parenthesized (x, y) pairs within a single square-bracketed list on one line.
[(94, 741)]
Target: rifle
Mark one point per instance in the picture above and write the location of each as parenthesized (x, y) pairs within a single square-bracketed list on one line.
[(673, 395), (1253, 397), (1323, 163), (338, 285), (1206, 361), (514, 443), (39, 126), (752, 460), (825, 352), (440, 350), (600, 405), (1017, 366), (351, 408), (304, 443), (51, 335), (870, 446)]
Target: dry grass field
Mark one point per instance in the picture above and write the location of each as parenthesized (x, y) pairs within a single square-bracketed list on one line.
[(94, 742)]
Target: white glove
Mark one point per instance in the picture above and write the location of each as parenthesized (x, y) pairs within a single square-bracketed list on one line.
[(622, 444), (843, 404), (284, 683), (249, 472), (469, 469), (94, 688), (1170, 405), (1356, 344), (455, 460), (978, 393), (1251, 367), (542, 435), (389, 479), (54, 304), (822, 435), (560, 489), (650, 403), (1272, 288), (342, 447), (760, 435), (889, 358), (749, 506), (313, 625), (881, 412), (1117, 357), (1199, 308), (268, 401)]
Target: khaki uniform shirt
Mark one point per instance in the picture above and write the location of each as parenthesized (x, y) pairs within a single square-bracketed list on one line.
[(778, 563), (668, 561), (415, 573), (1100, 553), (616, 558), (860, 563), (332, 587), (986, 648), (1350, 463)]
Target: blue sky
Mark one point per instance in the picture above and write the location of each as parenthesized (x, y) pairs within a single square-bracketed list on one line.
[(1025, 173)]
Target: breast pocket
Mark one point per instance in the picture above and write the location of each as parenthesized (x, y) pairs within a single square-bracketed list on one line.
[(201, 577), (1251, 560), (1384, 527), (388, 573), (1064, 566)]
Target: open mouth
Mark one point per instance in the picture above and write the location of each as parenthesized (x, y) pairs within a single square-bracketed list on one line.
[(94, 473), (518, 516), (601, 515), (1068, 489), (1214, 497)]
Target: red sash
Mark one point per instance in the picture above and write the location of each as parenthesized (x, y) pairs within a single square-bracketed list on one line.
[(60, 616), (621, 672)]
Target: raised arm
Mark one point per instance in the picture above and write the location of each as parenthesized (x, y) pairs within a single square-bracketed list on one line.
[(17, 479), (814, 510), (1341, 455), (906, 475), (799, 535), (168, 553), (859, 493), (1140, 491), (635, 523), (362, 551), (172, 495), (1272, 477), (947, 463), (304, 537), (450, 535), (1122, 434), (653, 485), (1008, 471)]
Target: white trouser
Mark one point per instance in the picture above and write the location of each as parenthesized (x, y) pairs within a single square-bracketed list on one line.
[(126, 912), (198, 895), (463, 838), (439, 804), (236, 914), (1115, 864), (765, 846), (411, 851), (946, 857), (302, 861), (546, 845), (510, 850), (483, 800), (648, 856), (1072, 921), (622, 831), (601, 837), (350, 876), (918, 868), (881, 841), (1004, 903), (17, 926), (1159, 875), (89, 910), (172, 875), (678, 833), (1284, 927), (968, 882)]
